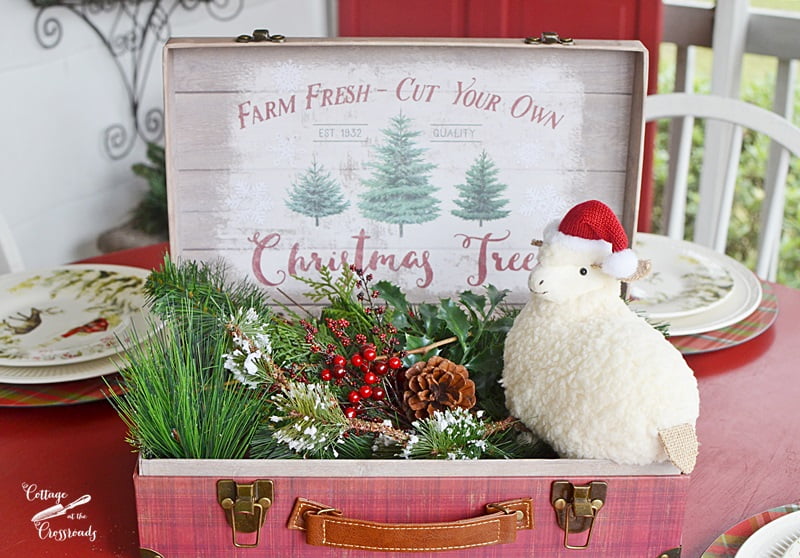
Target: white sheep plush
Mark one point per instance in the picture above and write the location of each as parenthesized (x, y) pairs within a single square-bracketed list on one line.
[(581, 369)]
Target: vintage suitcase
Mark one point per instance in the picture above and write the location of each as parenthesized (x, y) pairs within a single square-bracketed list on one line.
[(249, 121)]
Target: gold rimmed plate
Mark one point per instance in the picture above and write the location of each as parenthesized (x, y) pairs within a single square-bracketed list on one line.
[(686, 278), (741, 300)]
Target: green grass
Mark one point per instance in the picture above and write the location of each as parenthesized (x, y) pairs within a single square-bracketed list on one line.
[(755, 68), (783, 5)]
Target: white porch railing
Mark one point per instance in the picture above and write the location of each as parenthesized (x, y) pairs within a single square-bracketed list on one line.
[(730, 29)]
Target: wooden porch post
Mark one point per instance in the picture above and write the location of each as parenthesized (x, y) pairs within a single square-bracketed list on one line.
[(718, 175)]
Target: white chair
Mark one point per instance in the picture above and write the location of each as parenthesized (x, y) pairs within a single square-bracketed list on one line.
[(716, 199), (10, 256)]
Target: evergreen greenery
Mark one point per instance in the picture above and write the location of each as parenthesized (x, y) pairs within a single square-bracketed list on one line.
[(479, 197), (230, 376), (479, 323), (456, 434), (203, 291), (399, 191), (350, 313), (151, 214), (308, 419), (316, 194), (178, 399)]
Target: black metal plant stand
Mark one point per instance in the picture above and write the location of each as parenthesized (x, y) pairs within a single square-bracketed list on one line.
[(132, 31)]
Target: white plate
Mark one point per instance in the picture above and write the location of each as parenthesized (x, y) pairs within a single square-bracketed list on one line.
[(62, 373), (686, 278), (69, 314), (744, 298), (793, 551), (773, 540)]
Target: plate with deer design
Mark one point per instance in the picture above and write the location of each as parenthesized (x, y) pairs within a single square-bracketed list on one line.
[(68, 315)]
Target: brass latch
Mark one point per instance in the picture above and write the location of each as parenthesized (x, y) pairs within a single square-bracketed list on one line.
[(245, 506), (260, 36), (576, 508), (548, 38)]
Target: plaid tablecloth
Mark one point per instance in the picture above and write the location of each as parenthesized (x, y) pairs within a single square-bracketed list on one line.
[(752, 326), (62, 393), (729, 542)]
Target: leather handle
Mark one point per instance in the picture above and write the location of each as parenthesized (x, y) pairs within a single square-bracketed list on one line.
[(326, 526)]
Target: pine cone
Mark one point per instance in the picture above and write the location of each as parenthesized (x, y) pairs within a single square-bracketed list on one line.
[(437, 385)]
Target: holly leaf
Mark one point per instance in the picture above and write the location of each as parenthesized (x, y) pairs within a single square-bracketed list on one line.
[(487, 363), (397, 302), (474, 303), (496, 296), (485, 369), (415, 342), (401, 321), (456, 319), (393, 296), (428, 314), (501, 325)]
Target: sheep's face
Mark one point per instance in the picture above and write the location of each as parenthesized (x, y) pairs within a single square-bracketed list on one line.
[(562, 274)]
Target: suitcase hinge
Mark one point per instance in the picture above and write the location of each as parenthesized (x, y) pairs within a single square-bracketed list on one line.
[(245, 507), (260, 36), (577, 507), (548, 38)]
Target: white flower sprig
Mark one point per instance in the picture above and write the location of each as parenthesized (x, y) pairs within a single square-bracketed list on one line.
[(451, 434), (249, 361), (308, 419)]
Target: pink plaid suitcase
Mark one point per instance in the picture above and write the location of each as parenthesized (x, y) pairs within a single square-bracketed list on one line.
[(562, 118), (387, 508)]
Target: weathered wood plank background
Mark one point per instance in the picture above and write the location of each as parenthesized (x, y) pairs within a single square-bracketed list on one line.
[(246, 123)]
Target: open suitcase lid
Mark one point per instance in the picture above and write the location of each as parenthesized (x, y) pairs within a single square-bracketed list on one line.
[(432, 163)]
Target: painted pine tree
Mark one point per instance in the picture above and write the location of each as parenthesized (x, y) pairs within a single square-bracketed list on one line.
[(479, 197), (316, 194), (399, 191)]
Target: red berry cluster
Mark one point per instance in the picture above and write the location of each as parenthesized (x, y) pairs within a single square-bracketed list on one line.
[(339, 329), (371, 368)]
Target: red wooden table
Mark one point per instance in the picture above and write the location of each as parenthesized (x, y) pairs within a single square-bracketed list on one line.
[(749, 458)]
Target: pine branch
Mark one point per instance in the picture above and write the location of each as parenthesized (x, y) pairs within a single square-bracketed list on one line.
[(205, 289), (250, 360), (452, 434), (177, 402)]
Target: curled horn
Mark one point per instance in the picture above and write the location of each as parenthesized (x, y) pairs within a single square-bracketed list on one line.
[(642, 270)]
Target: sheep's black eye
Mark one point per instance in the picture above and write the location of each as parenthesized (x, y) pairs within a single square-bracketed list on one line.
[(584, 271)]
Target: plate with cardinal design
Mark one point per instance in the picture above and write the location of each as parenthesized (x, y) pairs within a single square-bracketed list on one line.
[(67, 315)]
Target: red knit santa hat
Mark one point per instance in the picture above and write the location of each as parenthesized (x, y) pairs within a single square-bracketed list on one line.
[(593, 227)]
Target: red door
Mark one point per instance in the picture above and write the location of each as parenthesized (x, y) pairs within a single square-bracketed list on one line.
[(580, 19)]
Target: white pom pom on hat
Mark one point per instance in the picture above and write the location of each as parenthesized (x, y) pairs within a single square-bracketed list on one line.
[(593, 227)]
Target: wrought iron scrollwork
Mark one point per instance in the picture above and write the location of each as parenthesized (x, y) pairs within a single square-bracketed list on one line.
[(132, 31)]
